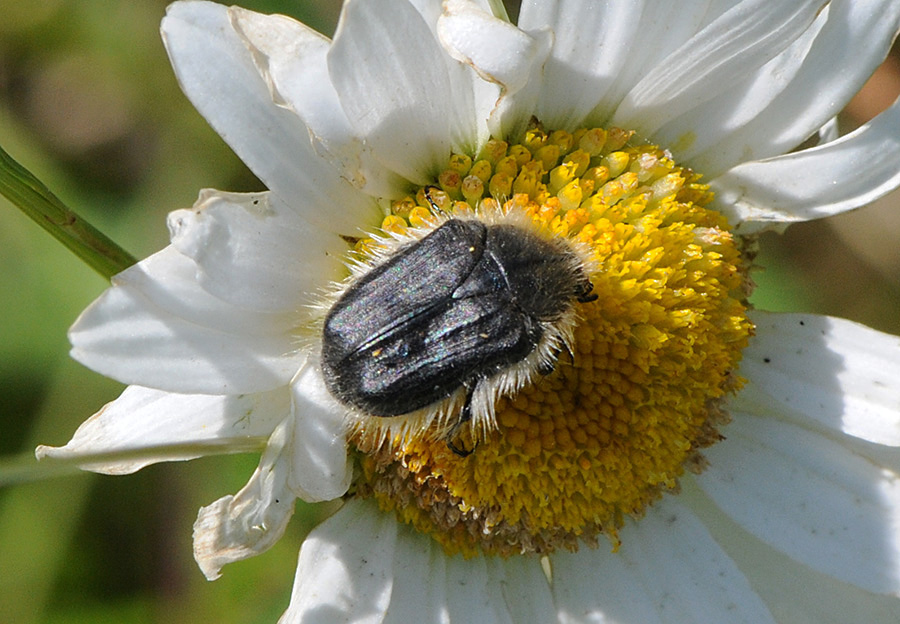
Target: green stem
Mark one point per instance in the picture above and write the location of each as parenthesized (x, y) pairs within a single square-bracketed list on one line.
[(498, 9), (24, 190)]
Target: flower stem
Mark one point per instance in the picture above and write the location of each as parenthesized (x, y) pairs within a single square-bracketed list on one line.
[(24, 190), (499, 9)]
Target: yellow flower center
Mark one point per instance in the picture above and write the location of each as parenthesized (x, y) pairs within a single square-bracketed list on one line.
[(621, 417)]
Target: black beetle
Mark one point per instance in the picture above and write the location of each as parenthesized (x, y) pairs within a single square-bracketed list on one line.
[(473, 305)]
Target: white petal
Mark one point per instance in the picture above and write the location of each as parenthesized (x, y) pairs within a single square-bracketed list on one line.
[(600, 50), (591, 46), (503, 56), (718, 57), (829, 132), (292, 58), (250, 522), (473, 594), (392, 81), (345, 568), (824, 372), (430, 587), (793, 592), (524, 587), (689, 136), (818, 182), (157, 328), (668, 569), (216, 71), (858, 33), (810, 497), (320, 466), (142, 418), (419, 590), (660, 30), (464, 28), (473, 97), (252, 251)]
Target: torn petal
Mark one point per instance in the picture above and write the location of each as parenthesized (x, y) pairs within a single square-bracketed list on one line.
[(250, 522)]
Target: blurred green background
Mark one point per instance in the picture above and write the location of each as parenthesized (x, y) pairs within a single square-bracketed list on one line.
[(88, 102)]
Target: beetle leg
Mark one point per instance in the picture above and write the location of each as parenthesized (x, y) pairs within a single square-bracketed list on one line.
[(427, 193), (585, 293), (464, 417), (546, 368), (571, 355)]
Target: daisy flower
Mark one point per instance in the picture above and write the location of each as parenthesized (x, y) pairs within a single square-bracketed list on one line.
[(667, 438)]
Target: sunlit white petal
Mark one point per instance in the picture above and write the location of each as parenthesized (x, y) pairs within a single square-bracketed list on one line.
[(417, 558), (292, 58), (717, 120), (578, 73), (524, 588), (659, 31), (847, 173), (247, 253), (156, 327), (473, 593), (513, 61), (862, 31), (210, 59), (718, 57), (473, 98), (585, 81), (464, 27), (398, 103)]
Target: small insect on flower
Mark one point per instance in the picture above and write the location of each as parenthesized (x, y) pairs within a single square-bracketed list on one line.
[(475, 308)]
